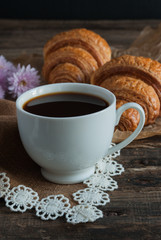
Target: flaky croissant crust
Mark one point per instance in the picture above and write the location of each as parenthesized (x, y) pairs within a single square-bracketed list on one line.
[(135, 90), (146, 69), (76, 56), (132, 79), (66, 72), (129, 119), (81, 38)]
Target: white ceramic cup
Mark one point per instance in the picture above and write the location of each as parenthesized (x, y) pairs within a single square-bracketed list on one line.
[(67, 149)]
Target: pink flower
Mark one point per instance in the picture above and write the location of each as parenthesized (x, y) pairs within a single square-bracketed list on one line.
[(6, 69), (23, 79), (1, 92), (3, 78)]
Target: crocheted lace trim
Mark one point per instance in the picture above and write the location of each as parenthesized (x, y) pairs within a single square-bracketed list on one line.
[(22, 198)]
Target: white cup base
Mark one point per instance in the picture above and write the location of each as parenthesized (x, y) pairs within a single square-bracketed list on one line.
[(68, 178)]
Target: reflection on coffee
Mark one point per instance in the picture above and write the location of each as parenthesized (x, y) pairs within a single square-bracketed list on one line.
[(65, 104)]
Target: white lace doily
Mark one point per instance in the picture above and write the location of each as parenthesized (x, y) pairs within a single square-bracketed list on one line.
[(83, 214), (52, 207), (4, 184), (101, 181), (22, 198), (91, 196)]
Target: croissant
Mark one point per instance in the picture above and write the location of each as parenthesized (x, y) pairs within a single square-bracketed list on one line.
[(135, 90), (129, 119), (74, 55), (71, 71), (135, 79), (146, 69), (81, 38)]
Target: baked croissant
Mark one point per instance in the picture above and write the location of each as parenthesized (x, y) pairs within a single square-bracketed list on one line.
[(129, 119), (81, 38), (134, 90), (146, 69), (74, 55), (132, 79)]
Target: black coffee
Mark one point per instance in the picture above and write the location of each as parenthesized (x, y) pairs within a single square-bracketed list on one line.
[(65, 105)]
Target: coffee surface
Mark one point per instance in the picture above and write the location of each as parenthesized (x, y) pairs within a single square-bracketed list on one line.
[(65, 105)]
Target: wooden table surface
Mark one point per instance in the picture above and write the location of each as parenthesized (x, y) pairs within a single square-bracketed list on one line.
[(135, 208)]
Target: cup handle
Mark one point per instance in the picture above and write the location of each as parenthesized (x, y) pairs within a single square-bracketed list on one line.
[(119, 112)]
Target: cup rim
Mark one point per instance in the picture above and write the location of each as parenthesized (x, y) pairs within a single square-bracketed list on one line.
[(37, 92)]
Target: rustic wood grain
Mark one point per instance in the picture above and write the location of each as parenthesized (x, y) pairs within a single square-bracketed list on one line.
[(135, 208)]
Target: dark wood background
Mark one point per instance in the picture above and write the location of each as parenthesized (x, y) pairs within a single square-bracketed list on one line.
[(135, 208)]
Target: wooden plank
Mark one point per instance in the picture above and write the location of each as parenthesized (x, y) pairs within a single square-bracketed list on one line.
[(36, 33), (130, 214), (37, 38), (64, 24)]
